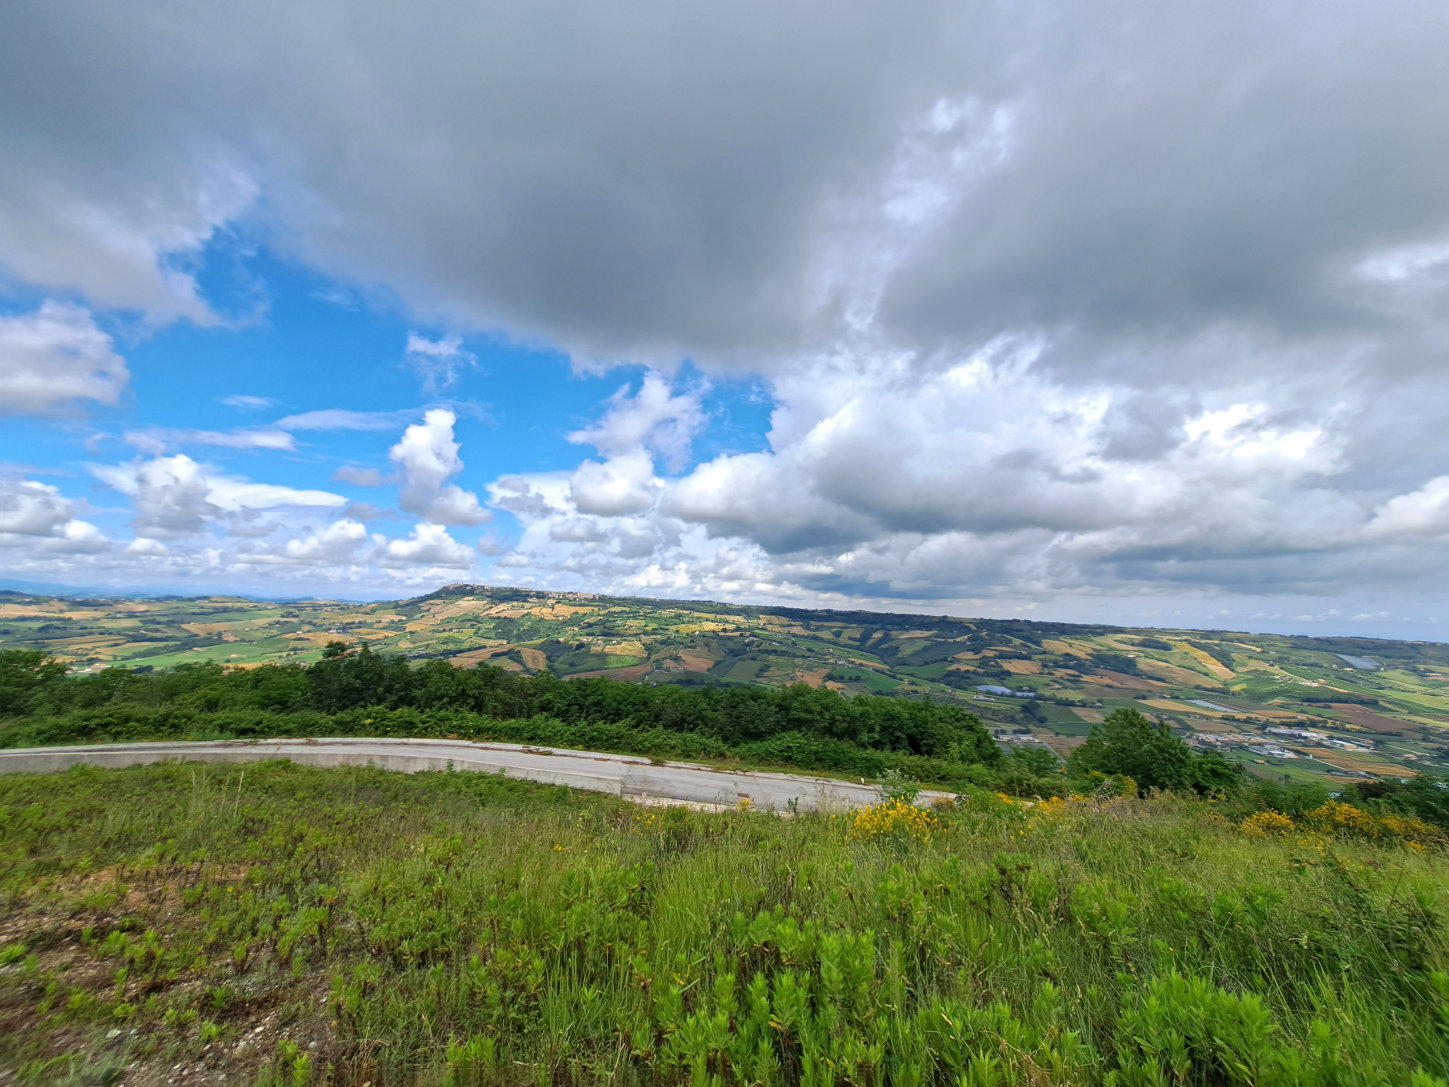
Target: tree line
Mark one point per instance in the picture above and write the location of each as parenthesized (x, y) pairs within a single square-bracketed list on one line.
[(355, 691), (377, 693)]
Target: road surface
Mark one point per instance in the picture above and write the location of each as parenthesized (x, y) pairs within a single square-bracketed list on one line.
[(627, 776)]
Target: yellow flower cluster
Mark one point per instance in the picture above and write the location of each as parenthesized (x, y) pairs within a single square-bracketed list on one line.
[(1268, 824), (1051, 807), (645, 821), (892, 818), (1054, 808), (1336, 818), (1413, 830)]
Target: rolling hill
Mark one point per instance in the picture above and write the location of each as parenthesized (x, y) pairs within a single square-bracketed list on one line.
[(1284, 706)]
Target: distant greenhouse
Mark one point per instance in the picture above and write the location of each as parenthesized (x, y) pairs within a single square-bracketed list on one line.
[(991, 688), (1361, 664)]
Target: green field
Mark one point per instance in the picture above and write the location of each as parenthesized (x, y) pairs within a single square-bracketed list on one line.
[(295, 926)]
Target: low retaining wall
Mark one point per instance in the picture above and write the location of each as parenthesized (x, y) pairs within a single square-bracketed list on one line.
[(619, 775)]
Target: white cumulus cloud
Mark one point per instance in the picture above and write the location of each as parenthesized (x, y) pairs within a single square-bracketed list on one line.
[(428, 457), (37, 517), (54, 358), (428, 545), (176, 496), (1422, 512), (620, 485), (654, 417)]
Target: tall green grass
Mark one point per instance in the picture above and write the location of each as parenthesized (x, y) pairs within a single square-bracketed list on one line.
[(280, 924)]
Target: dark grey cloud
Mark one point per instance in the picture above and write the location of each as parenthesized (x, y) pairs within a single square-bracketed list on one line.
[(641, 180), (646, 181), (1174, 169)]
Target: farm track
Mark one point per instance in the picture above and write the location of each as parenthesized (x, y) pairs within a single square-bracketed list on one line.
[(627, 776)]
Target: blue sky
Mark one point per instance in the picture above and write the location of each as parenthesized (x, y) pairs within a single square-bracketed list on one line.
[(310, 378), (1125, 313)]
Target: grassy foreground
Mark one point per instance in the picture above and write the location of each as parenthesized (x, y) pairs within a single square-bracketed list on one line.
[(285, 925)]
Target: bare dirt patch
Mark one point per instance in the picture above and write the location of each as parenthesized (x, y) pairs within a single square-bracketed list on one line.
[(1061, 746), (27, 611), (637, 671), (1123, 681), (1366, 718), (477, 656), (696, 661), (461, 607), (315, 637), (562, 611)]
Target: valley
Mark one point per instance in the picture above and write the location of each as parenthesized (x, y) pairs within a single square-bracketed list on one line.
[(1295, 708)]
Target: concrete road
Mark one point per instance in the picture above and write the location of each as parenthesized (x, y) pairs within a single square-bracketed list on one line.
[(621, 775)]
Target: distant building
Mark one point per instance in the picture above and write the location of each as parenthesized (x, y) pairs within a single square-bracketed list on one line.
[(1297, 733)]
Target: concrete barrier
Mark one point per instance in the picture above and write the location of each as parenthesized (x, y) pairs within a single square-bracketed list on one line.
[(619, 775), (304, 753)]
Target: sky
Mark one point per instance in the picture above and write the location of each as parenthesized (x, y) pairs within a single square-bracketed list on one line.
[(1102, 311)]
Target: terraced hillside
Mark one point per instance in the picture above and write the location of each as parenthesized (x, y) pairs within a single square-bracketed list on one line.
[(1341, 707)]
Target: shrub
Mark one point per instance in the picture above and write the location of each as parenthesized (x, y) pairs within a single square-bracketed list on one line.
[(1268, 824), (1334, 818), (893, 818)]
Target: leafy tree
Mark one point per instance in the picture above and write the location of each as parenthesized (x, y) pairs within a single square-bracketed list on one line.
[(1035, 759), (1213, 775), (1424, 795), (24, 674), (1155, 643), (1128, 743)]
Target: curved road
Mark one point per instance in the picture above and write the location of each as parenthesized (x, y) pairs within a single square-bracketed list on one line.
[(627, 776)]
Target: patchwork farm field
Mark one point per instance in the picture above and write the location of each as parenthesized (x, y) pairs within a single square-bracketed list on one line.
[(1029, 679)]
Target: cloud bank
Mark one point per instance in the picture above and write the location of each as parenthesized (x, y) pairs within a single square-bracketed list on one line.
[(1113, 299)]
